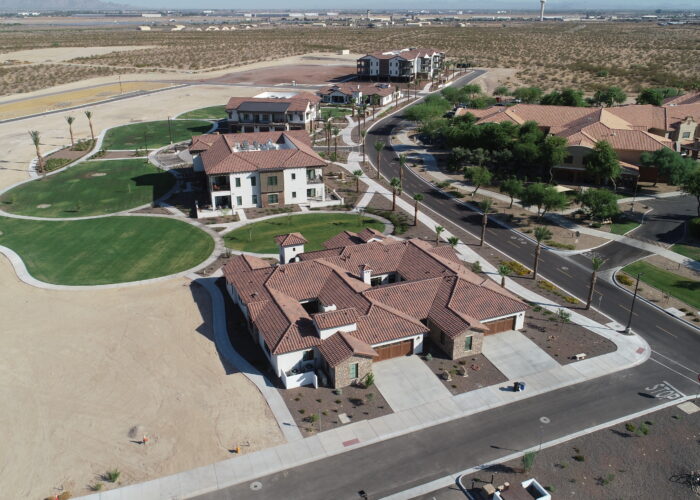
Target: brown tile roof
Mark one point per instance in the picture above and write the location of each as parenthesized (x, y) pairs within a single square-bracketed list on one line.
[(218, 155), (299, 102), (347, 238), (380, 89), (342, 346), (291, 239), (337, 318), (688, 98)]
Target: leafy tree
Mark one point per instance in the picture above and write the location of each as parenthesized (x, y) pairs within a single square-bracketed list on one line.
[(552, 153), (599, 204), (513, 187), (501, 90), (602, 163), (541, 234), (691, 185), (357, 174), (477, 176), (478, 156), (609, 96), (596, 262), (567, 97), (656, 96), (457, 157), (668, 164), (530, 95), (544, 197), (434, 106), (553, 200), (526, 153), (485, 207), (417, 198), (395, 189)]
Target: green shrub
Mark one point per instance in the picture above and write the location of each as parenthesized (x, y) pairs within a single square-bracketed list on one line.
[(630, 427), (95, 486), (624, 279), (579, 458), (476, 266), (546, 285), (55, 163), (571, 300), (516, 267), (556, 244), (528, 460), (369, 379), (84, 145), (111, 475)]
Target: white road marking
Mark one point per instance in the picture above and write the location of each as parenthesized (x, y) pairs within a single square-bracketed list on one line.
[(674, 371), (676, 362)]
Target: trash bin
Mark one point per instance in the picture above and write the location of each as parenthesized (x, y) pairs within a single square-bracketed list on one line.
[(522, 385), (516, 386)]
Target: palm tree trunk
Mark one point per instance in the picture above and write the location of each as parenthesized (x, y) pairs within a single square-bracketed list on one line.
[(72, 142), (591, 290), (537, 261), (379, 163), (393, 200), (511, 202), (484, 222), (357, 185), (40, 160), (415, 214), (92, 132), (335, 147), (503, 281)]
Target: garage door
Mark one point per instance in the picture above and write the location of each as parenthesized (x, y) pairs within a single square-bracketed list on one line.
[(394, 350), (501, 325)]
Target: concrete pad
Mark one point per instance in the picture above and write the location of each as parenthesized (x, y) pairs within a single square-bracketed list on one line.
[(407, 382), (316, 449), (265, 461), (515, 355), (688, 407), (364, 431), (226, 472), (294, 453), (196, 480)]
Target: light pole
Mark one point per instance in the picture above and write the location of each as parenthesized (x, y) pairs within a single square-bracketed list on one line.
[(170, 131), (628, 328), (120, 85), (634, 196)]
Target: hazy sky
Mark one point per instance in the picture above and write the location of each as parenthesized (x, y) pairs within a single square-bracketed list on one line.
[(322, 6)]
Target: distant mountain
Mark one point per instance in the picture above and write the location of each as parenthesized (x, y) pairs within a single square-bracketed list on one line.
[(60, 5)]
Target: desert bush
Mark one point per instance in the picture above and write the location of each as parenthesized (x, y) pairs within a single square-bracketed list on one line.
[(624, 279), (111, 475), (516, 267)]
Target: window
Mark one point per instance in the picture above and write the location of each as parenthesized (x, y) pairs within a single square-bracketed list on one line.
[(311, 193), (255, 199), (569, 160), (294, 176), (308, 355), (353, 370), (239, 200), (443, 338), (294, 194), (686, 135), (468, 343), (272, 199), (272, 180), (238, 182), (253, 181)]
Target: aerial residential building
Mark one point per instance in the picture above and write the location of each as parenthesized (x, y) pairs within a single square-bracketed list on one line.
[(264, 169), (263, 114), (401, 65), (326, 316), (363, 93)]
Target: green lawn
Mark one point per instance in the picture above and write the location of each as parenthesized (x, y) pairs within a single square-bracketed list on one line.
[(210, 113), (335, 112), (684, 289), (90, 188), (622, 227), (692, 252), (317, 228), (157, 134), (105, 250)]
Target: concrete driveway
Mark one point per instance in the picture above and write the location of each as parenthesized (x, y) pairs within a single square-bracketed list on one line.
[(515, 355), (407, 382)]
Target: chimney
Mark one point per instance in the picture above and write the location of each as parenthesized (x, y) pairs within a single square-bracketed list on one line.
[(366, 274), (328, 308)]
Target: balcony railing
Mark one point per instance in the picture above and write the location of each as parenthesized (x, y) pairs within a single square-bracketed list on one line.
[(315, 179), (220, 187)]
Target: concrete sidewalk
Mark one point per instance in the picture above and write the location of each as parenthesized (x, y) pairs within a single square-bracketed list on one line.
[(515, 355)]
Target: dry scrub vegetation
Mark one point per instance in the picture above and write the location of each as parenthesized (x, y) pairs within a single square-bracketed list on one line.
[(550, 55)]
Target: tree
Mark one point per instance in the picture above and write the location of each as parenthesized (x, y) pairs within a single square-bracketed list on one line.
[(513, 187), (363, 133), (691, 185), (403, 160), (651, 96), (552, 153), (438, 232), (70, 120), (530, 95), (598, 204), (417, 198), (668, 164), (328, 129), (477, 176), (453, 241), (501, 90), (485, 207), (357, 174), (553, 200), (336, 132), (36, 140), (503, 272), (567, 97), (541, 234), (395, 189), (596, 262), (602, 163), (378, 146), (88, 114), (353, 102), (609, 96)]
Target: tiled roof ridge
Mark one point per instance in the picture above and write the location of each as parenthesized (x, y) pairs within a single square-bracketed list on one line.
[(471, 321), (357, 285), (395, 312)]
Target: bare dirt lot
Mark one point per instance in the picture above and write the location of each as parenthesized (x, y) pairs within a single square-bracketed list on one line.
[(301, 74)]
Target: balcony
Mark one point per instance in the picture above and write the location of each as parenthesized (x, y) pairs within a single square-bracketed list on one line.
[(314, 179), (221, 187)]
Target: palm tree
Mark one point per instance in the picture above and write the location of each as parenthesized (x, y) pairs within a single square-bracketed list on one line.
[(36, 139), (417, 198), (378, 146), (353, 101), (596, 262), (363, 133), (357, 174), (438, 231), (453, 241), (403, 160), (328, 128), (88, 113), (395, 189), (485, 207), (503, 271), (336, 132), (70, 120), (541, 234)]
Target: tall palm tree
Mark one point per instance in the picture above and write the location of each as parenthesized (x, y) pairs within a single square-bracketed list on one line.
[(70, 120), (395, 189), (417, 198), (378, 146), (357, 174), (503, 271), (353, 101), (88, 114), (363, 133), (453, 241), (328, 128), (541, 234), (485, 207), (36, 139), (403, 160), (438, 232), (336, 132), (596, 262)]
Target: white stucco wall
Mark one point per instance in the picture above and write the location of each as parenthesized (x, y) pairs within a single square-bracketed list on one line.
[(327, 332)]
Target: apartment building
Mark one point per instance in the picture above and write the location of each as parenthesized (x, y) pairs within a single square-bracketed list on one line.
[(272, 112), (401, 65)]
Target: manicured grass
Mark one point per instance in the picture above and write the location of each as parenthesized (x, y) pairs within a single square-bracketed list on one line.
[(105, 250), (623, 227), (335, 112), (90, 188), (156, 134), (210, 113), (692, 252), (684, 289), (317, 228)]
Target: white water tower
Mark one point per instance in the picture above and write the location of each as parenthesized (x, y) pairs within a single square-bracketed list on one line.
[(542, 2)]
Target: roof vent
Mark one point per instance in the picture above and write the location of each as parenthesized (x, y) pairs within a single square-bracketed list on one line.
[(244, 145)]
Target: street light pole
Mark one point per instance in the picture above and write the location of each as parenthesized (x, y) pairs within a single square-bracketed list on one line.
[(170, 132), (628, 328)]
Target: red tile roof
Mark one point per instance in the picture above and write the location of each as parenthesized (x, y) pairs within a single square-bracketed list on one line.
[(337, 318), (342, 346), (299, 102), (381, 89), (291, 239), (350, 238)]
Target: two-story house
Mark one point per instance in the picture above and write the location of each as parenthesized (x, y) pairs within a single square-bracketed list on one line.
[(380, 94), (263, 114), (401, 65), (264, 169)]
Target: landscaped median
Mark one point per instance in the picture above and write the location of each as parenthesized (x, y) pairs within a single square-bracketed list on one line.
[(150, 135), (258, 237), (105, 250), (89, 188)]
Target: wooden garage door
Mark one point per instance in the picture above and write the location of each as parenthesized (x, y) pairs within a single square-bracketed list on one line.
[(394, 350), (501, 325)]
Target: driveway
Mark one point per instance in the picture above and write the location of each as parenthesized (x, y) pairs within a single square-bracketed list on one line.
[(407, 382), (515, 355)]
